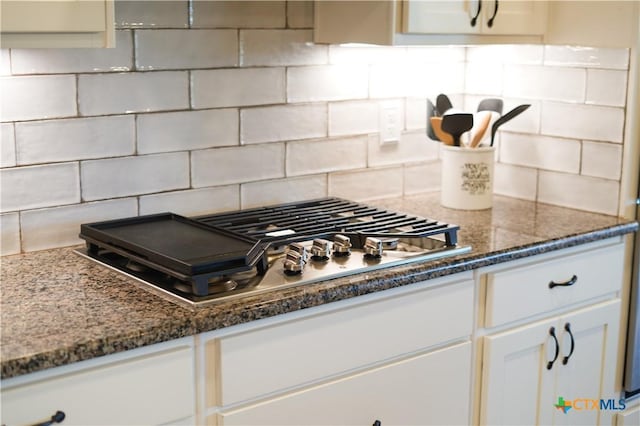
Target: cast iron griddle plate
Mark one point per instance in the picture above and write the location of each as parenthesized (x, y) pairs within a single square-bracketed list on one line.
[(173, 241)]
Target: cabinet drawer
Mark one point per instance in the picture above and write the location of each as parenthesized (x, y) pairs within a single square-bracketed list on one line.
[(293, 353), (411, 392), (149, 389), (527, 290)]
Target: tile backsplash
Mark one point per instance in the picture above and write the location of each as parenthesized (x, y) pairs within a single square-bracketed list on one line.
[(211, 106)]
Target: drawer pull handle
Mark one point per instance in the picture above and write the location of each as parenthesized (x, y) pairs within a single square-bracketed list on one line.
[(552, 333), (565, 359), (571, 282), (495, 12), (475, 18), (58, 417)]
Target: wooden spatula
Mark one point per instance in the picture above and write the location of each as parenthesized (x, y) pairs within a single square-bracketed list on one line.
[(436, 125), (484, 120)]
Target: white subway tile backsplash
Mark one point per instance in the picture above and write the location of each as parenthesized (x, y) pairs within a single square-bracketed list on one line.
[(179, 49), (5, 62), (413, 146), (484, 78), (37, 97), (361, 55), (367, 184), (193, 202), (415, 113), (388, 80), (506, 54), (300, 14), (590, 57), (220, 88), (549, 83), (187, 130), (310, 157), (132, 92), (122, 177), (601, 160), (152, 13), (39, 186), (543, 152), (515, 181), (606, 87), (238, 14), (353, 117), (269, 192), (59, 226), (9, 234), (435, 54), (327, 83), (74, 139), (55, 61), (528, 121), (240, 164), (7, 145), (280, 47), (580, 192), (582, 121), (419, 178), (282, 123)]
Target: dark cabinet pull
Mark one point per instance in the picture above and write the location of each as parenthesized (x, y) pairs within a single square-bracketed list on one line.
[(571, 282), (552, 333), (58, 417), (495, 12), (377, 423), (474, 20), (565, 359)]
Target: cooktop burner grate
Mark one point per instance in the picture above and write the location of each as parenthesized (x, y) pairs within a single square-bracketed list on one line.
[(316, 218)]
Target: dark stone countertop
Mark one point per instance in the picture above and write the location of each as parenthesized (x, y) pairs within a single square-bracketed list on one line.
[(58, 308)]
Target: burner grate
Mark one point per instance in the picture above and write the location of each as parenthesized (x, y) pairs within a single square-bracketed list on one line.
[(316, 218)]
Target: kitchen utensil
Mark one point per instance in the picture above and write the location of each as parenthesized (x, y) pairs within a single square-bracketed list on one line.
[(431, 112), (491, 104), (507, 117), (436, 125), (443, 104), (456, 125), (481, 123)]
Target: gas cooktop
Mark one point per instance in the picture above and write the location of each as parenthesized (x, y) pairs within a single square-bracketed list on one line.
[(208, 259)]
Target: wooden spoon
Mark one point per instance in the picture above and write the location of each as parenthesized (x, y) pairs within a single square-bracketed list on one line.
[(481, 129), (436, 125)]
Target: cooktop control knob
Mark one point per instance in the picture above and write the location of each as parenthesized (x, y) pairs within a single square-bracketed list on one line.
[(372, 247), (295, 259), (341, 245), (320, 250)]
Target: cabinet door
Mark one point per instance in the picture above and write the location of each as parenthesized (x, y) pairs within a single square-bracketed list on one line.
[(514, 17), (440, 16), (516, 382), (590, 370), (429, 389)]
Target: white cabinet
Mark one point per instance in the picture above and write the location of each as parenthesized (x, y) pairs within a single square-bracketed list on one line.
[(497, 17), (409, 392), (526, 370), (64, 23), (552, 331), (430, 21), (395, 356), (152, 385)]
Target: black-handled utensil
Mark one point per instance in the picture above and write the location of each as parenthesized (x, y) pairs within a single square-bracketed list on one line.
[(491, 104), (507, 117), (456, 125), (443, 104), (431, 112)]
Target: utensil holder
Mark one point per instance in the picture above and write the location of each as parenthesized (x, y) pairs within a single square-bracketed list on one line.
[(467, 177)]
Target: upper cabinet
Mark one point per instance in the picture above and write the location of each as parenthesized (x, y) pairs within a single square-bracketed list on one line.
[(498, 17), (430, 21), (62, 23)]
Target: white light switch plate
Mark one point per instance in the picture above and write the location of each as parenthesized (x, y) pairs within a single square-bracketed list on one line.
[(390, 115)]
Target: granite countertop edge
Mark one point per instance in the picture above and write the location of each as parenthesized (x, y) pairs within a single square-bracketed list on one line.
[(291, 300)]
